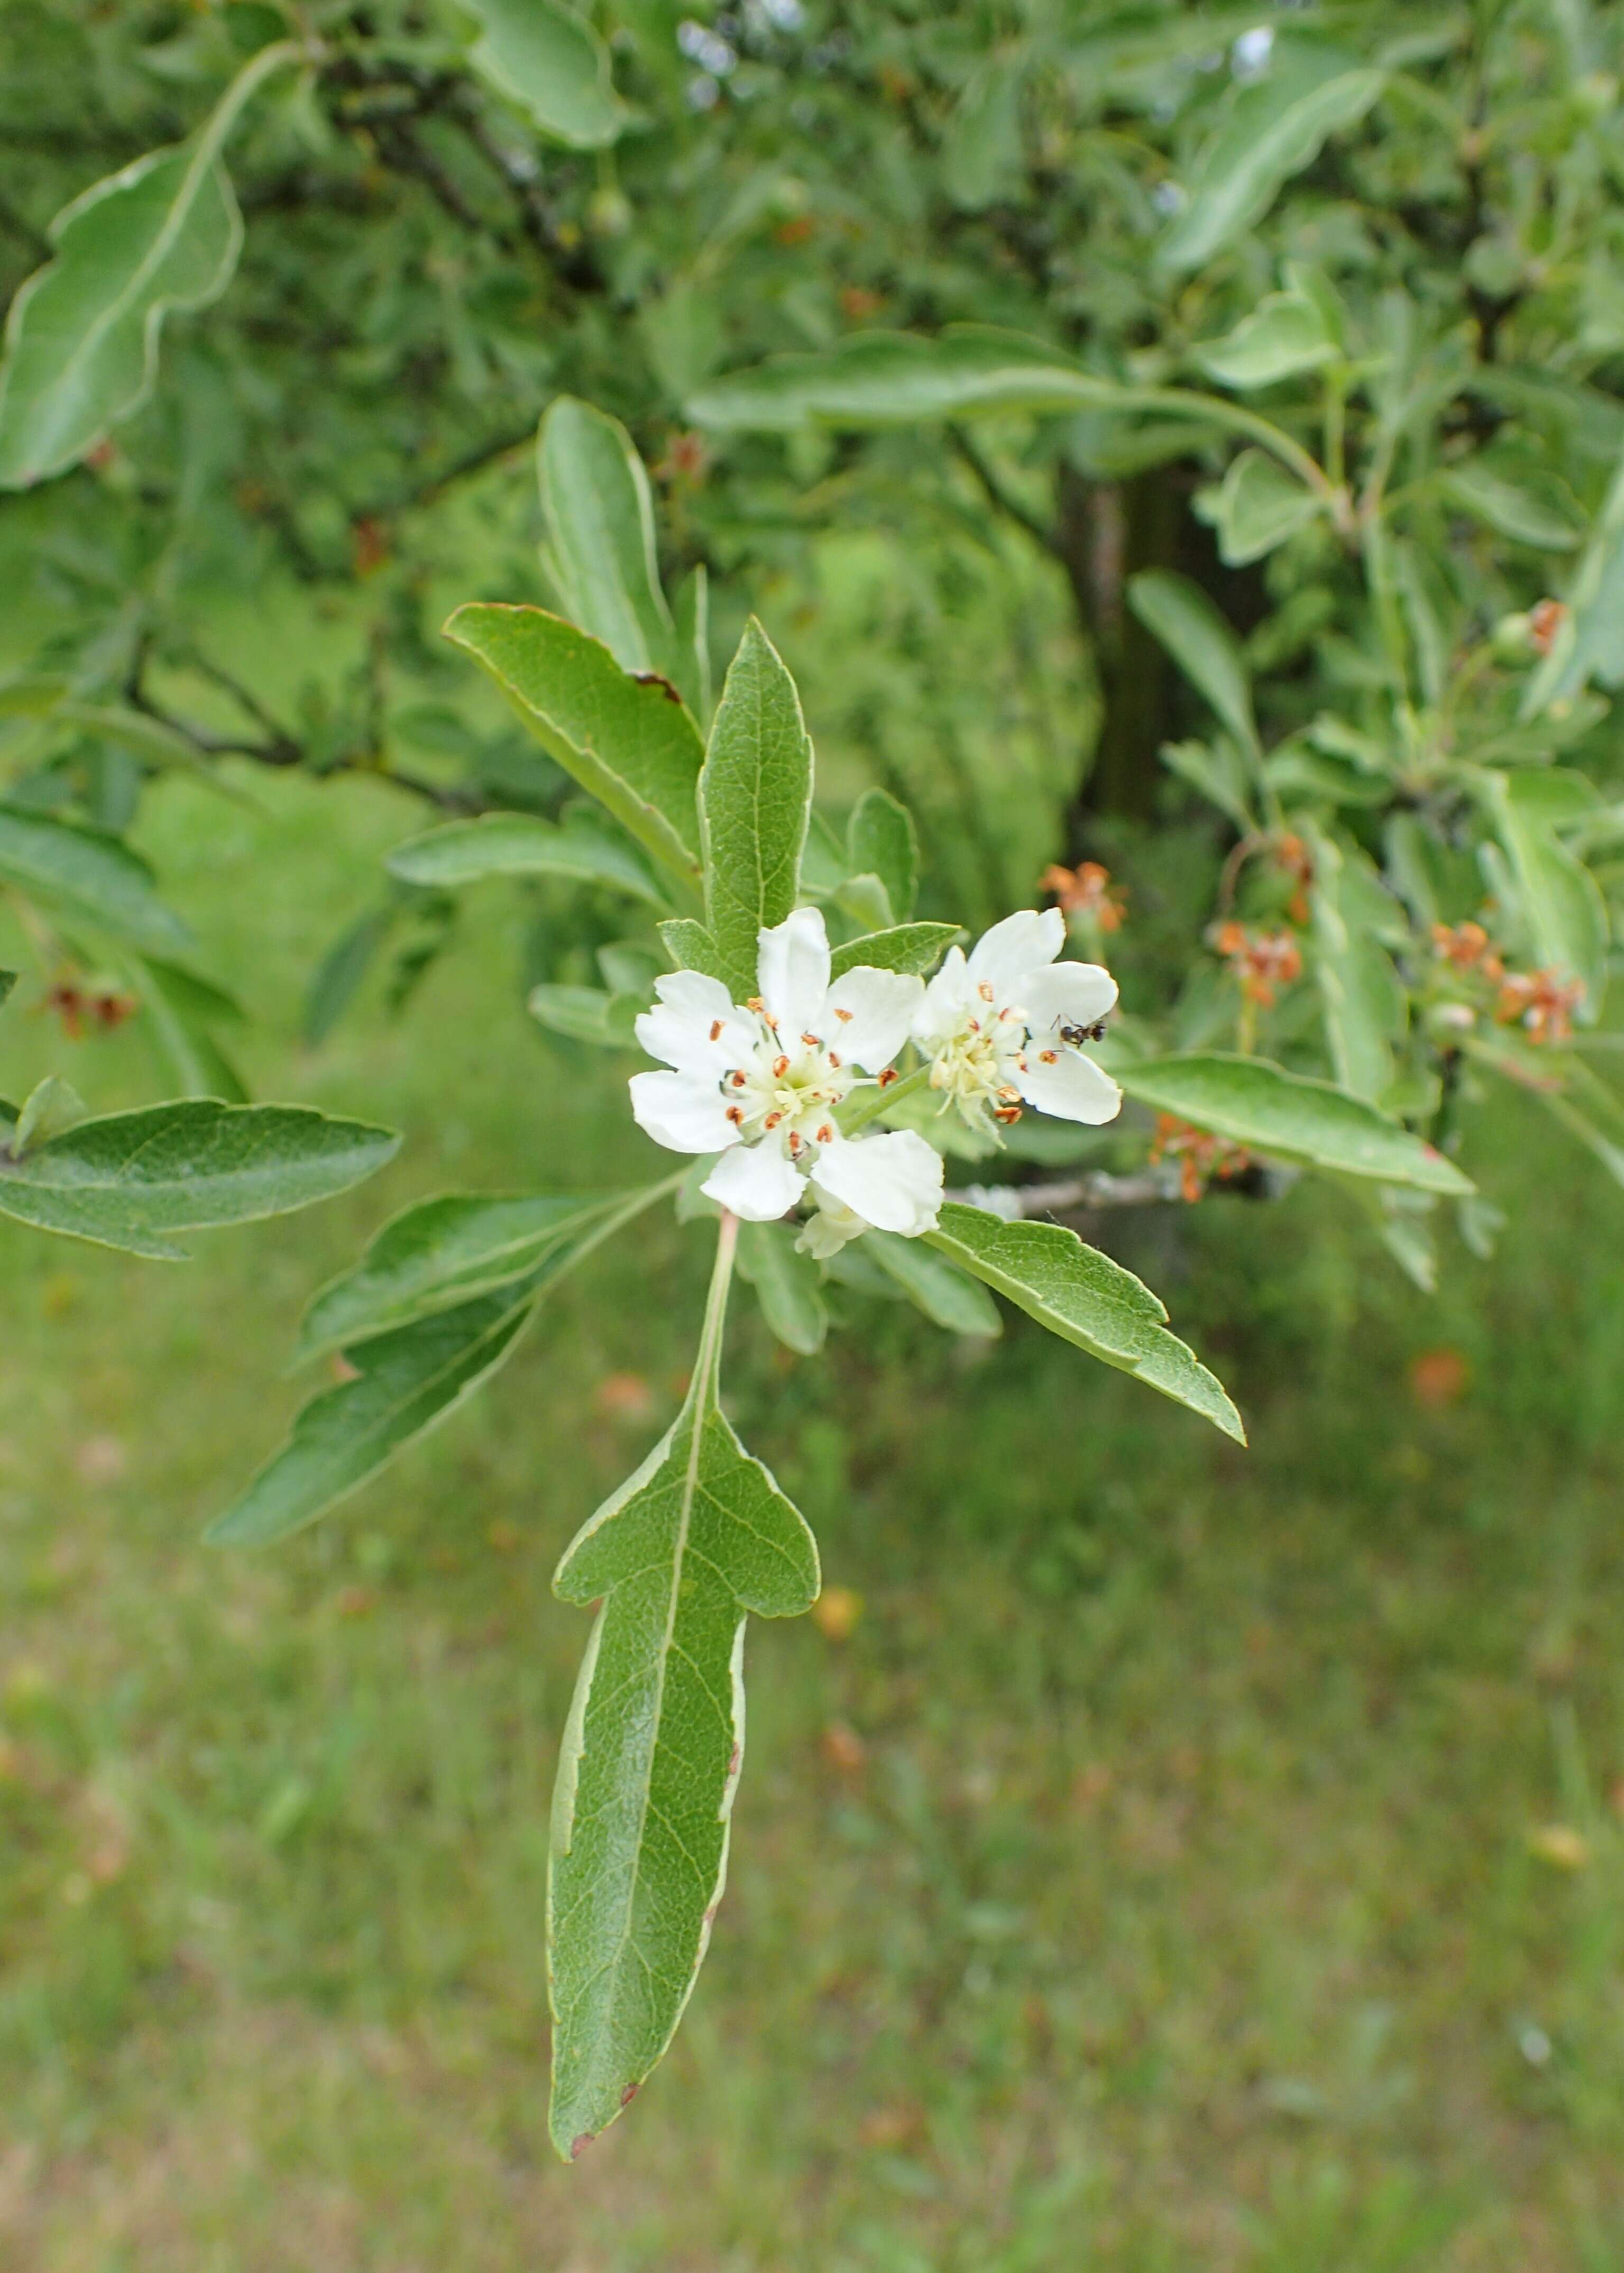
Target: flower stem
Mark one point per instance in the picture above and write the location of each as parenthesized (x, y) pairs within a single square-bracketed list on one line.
[(858, 1116), (708, 1363)]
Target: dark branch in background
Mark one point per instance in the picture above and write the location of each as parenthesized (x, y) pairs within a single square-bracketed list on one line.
[(277, 747), (997, 495)]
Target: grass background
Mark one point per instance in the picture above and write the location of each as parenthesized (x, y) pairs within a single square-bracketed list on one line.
[(1188, 1860)]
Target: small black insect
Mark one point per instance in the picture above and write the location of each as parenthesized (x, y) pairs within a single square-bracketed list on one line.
[(1079, 1034)]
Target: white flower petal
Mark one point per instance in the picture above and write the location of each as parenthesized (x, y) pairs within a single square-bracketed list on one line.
[(866, 1016), (1073, 1088), (1002, 958), (893, 1181), (948, 1000), (1066, 994), (693, 994), (696, 1027), (757, 1181), (684, 1114), (793, 969), (829, 1227)]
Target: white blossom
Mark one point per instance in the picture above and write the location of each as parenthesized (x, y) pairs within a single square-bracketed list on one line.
[(1000, 1027), (762, 1084)]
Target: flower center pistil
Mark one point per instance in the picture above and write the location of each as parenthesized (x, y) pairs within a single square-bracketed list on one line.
[(787, 1094), (975, 1064)]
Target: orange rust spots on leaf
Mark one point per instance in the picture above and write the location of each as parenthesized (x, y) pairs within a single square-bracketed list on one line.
[(1439, 1377)]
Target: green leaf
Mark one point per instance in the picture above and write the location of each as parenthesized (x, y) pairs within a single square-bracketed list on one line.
[(95, 876), (915, 947), (1591, 643), (1285, 334), (631, 743), (339, 976), (53, 1107), (181, 1007), (1189, 626), (755, 795), (1255, 507), (553, 65), (896, 379), (587, 1013), (129, 1180), (407, 1382), (692, 613), (934, 1284), (1274, 131), (691, 947), (446, 1251), (1512, 508), (1254, 1103), (1566, 914), (697, 1538), (1085, 1298), (600, 520), (1218, 774), (786, 1283), (1364, 998), (82, 336), (523, 844), (881, 841)]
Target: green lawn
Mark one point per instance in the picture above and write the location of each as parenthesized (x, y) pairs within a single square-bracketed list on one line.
[(1190, 1859)]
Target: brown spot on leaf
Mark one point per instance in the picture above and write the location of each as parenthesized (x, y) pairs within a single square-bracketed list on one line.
[(581, 2139), (629, 2094), (654, 679)]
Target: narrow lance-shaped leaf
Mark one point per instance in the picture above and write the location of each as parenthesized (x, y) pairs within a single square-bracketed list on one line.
[(1254, 1103), (1566, 914), (523, 844), (1200, 642), (130, 1179), (1276, 130), (1085, 1298), (181, 1010), (96, 877), (1364, 1000), (445, 1251), (697, 1538), (601, 524), (631, 743), (934, 1285), (881, 841), (413, 1375), (82, 336), (755, 795), (1590, 642), (786, 1286), (405, 1382)]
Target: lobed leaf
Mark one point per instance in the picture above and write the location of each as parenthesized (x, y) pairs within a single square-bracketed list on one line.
[(129, 1180), (1085, 1298), (1289, 1114), (755, 796), (630, 742)]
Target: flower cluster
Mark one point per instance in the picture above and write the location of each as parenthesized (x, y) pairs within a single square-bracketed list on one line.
[(1542, 1002), (1262, 961), (1087, 893), (763, 1084), (1200, 1156)]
